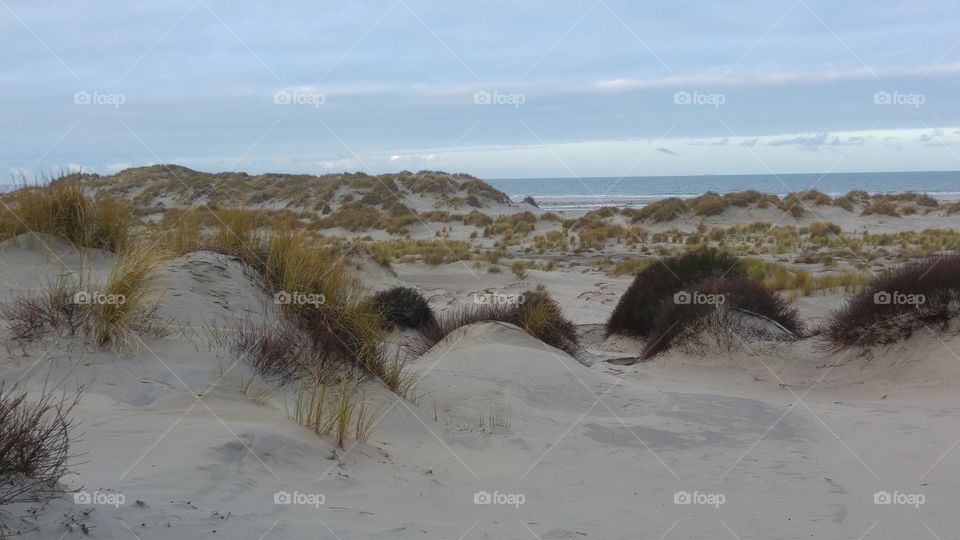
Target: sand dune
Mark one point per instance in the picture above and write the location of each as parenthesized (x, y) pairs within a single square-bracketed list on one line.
[(505, 437)]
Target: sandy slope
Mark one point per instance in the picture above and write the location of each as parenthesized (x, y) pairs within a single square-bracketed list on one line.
[(595, 452)]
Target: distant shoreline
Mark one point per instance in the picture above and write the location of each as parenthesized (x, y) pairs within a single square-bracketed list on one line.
[(638, 191), (583, 203)]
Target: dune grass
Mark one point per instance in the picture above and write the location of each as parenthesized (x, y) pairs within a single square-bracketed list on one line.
[(631, 266), (110, 312), (533, 311), (61, 208), (129, 293), (337, 408)]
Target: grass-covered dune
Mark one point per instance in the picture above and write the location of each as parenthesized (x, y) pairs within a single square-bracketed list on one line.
[(175, 185)]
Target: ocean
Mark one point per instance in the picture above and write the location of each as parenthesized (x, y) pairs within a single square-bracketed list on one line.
[(564, 193)]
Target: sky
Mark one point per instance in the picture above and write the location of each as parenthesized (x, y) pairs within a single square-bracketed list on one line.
[(497, 89)]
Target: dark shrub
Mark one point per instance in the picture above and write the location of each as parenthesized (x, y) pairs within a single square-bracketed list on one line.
[(658, 282), (682, 318), (537, 314), (897, 303), (281, 352), (403, 307)]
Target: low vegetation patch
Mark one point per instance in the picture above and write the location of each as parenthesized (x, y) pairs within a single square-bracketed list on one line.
[(53, 309), (122, 308), (35, 439), (61, 208), (658, 282), (897, 303), (403, 307), (729, 310), (111, 312), (536, 312)]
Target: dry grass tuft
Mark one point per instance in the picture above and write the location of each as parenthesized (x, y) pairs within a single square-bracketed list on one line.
[(32, 317), (897, 303), (35, 437), (60, 207), (126, 308)]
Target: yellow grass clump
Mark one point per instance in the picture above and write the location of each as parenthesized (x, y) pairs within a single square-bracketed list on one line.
[(123, 306), (62, 208)]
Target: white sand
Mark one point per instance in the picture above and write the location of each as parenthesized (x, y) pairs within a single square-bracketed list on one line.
[(797, 448)]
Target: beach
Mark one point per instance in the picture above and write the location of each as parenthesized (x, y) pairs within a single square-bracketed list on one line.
[(499, 434)]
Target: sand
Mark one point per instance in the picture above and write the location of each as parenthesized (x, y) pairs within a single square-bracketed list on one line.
[(787, 443)]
